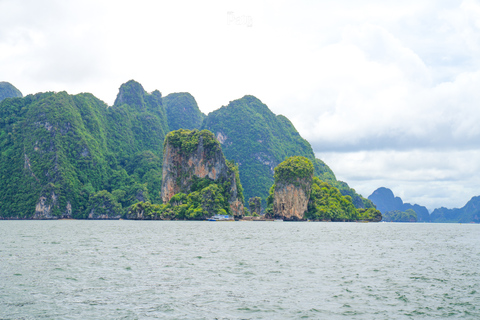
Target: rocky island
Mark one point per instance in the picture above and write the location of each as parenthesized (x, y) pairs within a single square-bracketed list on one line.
[(197, 181), (74, 157), (297, 195)]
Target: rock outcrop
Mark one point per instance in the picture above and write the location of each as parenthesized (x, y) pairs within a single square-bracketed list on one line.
[(290, 201), (189, 157), (293, 184), (255, 205)]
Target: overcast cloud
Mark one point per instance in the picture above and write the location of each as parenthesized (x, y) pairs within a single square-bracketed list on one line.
[(387, 93)]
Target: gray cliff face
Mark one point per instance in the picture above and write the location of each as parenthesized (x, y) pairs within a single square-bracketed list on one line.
[(291, 200), (180, 168)]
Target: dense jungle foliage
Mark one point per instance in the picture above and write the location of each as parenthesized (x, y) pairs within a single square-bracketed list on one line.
[(255, 206), (7, 90), (74, 156), (326, 202), (187, 141), (199, 204), (61, 153), (182, 111), (292, 170), (258, 140)]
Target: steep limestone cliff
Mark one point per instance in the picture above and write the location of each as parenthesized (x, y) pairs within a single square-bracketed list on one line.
[(290, 202), (291, 191), (192, 161)]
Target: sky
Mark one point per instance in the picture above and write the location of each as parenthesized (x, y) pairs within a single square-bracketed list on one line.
[(386, 92)]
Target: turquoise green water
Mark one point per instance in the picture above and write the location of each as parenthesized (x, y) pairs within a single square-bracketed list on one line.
[(238, 270)]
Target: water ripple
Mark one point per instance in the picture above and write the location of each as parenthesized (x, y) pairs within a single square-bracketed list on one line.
[(201, 270)]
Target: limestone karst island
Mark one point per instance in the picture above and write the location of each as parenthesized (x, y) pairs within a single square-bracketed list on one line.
[(160, 158)]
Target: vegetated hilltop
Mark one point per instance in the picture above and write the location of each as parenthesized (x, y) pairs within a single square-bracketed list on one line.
[(298, 195), (292, 188), (386, 202), (72, 156), (258, 140), (182, 111), (7, 90), (198, 182)]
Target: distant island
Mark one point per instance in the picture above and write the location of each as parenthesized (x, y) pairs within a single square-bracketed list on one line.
[(393, 209)]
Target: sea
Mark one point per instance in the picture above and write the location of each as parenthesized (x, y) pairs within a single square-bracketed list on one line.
[(73, 269)]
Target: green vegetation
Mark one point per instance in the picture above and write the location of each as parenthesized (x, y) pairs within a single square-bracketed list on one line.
[(293, 170), (66, 153), (187, 141), (182, 111), (200, 198), (7, 90), (197, 205), (398, 216), (258, 140), (73, 156), (255, 206), (326, 202)]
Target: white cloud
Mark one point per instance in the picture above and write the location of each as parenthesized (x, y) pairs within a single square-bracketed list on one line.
[(370, 79), (426, 177)]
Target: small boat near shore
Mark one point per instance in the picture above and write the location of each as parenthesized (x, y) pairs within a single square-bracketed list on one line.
[(220, 217)]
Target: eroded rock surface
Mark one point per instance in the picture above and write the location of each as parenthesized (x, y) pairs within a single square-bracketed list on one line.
[(292, 188), (291, 201), (197, 156)]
